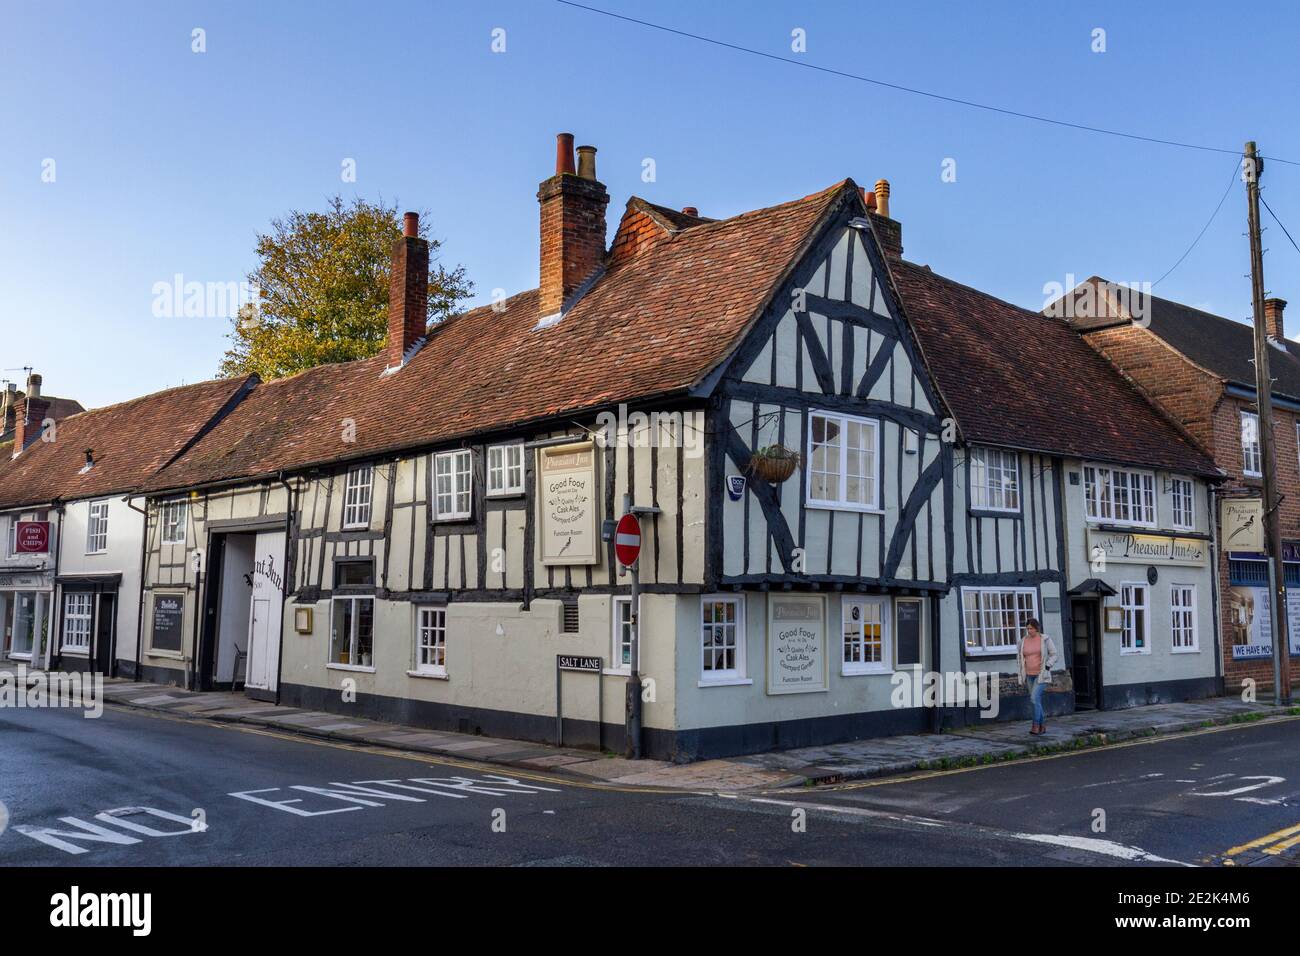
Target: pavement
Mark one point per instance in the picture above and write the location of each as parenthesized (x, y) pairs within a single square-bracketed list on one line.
[(989, 743)]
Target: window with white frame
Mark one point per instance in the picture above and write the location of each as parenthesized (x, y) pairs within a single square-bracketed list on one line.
[(1184, 504), (78, 613), (722, 638), (621, 650), (173, 522), (356, 496), (1119, 496), (994, 618), (352, 631), (994, 480), (864, 646), (1182, 613), (505, 470), (1250, 454), (1135, 605), (451, 485), (431, 641), (97, 528), (843, 461)]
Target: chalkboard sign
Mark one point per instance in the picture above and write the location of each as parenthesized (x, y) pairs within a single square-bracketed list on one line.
[(168, 621), (909, 632)]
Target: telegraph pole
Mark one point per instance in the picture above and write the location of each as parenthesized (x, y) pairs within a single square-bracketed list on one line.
[(1252, 167)]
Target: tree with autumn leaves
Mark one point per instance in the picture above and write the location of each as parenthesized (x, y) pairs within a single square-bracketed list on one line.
[(323, 290)]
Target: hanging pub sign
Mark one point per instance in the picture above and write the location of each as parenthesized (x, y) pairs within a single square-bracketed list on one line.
[(1124, 548), (796, 643), (32, 537), (1241, 524), (568, 500)]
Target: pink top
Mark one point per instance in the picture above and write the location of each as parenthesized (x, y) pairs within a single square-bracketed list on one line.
[(1033, 652)]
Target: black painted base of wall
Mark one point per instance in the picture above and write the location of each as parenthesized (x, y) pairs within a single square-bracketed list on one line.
[(1121, 696), (680, 746), (170, 676), (125, 669)]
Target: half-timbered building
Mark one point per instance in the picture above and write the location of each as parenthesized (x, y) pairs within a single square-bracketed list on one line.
[(420, 536)]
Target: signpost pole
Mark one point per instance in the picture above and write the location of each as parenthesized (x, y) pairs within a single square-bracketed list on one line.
[(632, 746)]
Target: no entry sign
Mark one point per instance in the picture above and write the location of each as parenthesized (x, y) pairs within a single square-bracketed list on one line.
[(627, 540)]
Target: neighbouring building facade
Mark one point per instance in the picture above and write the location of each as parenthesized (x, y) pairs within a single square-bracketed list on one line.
[(848, 468), (70, 581), (1198, 368)]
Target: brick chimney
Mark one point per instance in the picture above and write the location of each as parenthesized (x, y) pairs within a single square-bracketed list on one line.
[(889, 231), (408, 292), (30, 415), (573, 225), (1273, 318), (8, 408)]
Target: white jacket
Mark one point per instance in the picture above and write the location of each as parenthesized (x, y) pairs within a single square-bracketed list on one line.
[(1049, 659)]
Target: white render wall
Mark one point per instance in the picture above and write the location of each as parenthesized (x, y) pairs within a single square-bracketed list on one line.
[(125, 533)]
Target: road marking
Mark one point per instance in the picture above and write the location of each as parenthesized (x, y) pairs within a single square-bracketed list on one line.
[(1094, 845), (1264, 840), (1268, 782), (1107, 848)]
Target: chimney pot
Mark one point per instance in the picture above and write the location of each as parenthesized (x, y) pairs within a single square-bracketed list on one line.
[(1273, 323), (868, 197), (587, 162), (411, 224), (33, 386), (882, 197), (690, 211), (563, 153)]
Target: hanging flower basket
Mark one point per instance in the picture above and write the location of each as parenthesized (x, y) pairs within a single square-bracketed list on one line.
[(774, 463)]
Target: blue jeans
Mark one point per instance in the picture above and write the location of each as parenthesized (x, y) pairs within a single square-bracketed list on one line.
[(1036, 688)]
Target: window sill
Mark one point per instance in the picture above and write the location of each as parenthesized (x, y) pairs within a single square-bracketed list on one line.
[(494, 495), (169, 655), (841, 506), (726, 682), (1137, 653), (1184, 650), (19, 656), (1008, 651), (359, 668), (864, 671), (364, 526), (617, 671), (75, 651), (995, 513), (428, 675), (453, 519)]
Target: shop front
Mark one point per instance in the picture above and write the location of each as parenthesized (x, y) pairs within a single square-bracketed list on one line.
[(26, 602), (1143, 618), (1247, 604)]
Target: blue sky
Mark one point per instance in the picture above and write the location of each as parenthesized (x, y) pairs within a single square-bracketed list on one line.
[(169, 161)]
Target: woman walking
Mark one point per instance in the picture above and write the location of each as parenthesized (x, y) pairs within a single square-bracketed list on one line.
[(1036, 656)]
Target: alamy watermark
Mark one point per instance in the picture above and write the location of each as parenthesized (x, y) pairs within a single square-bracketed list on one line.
[(34, 690), (1098, 299), (624, 429), (180, 299), (947, 689)]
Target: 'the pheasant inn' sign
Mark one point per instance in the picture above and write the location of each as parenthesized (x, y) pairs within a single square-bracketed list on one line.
[(1131, 548)]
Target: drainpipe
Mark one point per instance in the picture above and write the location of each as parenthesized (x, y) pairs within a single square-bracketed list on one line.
[(52, 617), (139, 604), (288, 571), (1216, 598)]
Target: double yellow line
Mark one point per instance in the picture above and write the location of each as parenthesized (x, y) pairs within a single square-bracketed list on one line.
[(1274, 844)]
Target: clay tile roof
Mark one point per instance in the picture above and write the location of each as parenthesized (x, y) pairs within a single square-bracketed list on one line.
[(131, 441), (1020, 379), (653, 325)]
